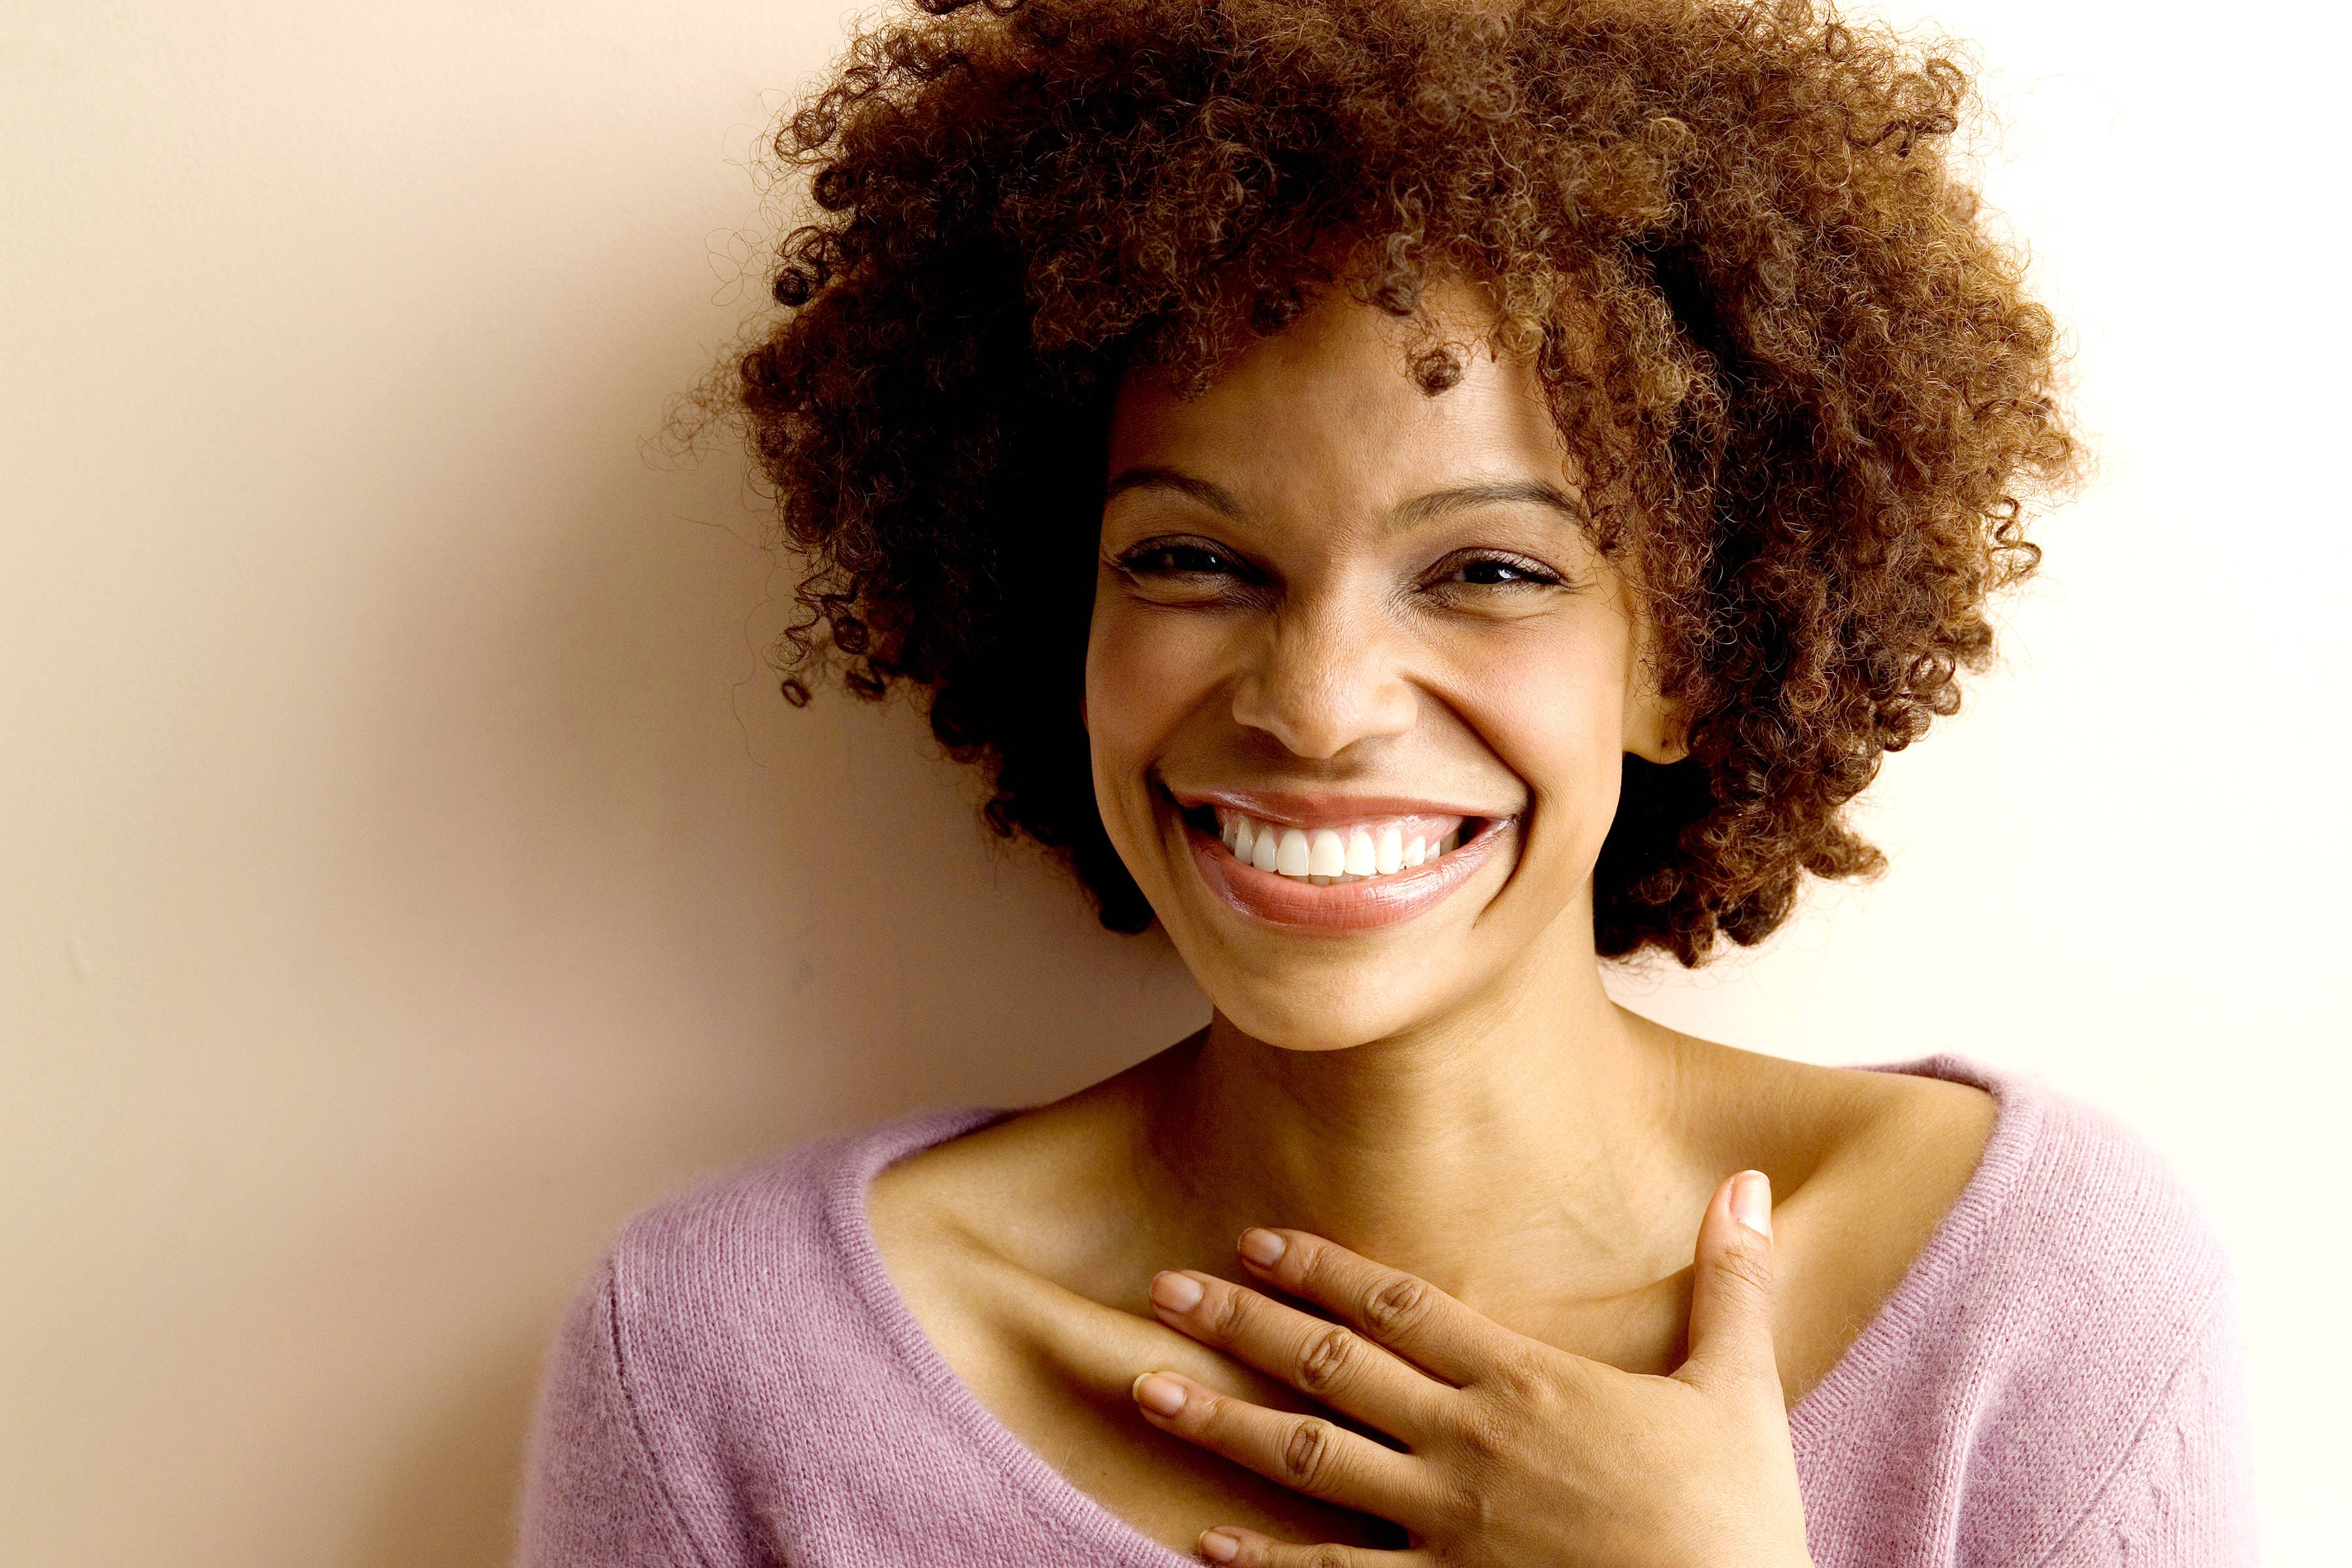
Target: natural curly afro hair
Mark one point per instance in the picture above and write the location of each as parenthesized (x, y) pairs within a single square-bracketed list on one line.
[(1799, 372)]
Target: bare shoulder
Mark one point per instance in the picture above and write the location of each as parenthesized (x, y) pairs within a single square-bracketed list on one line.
[(934, 1214), (1828, 1127), (1866, 1167), (944, 1188), (1029, 1197), (1926, 1130), (962, 1228), (1887, 1153)]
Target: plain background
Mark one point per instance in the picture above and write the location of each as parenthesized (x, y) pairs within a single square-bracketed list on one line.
[(410, 869)]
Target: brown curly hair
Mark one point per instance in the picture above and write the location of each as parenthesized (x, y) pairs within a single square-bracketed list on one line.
[(1766, 313)]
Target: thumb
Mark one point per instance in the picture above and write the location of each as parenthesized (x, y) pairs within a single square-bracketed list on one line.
[(1731, 1288)]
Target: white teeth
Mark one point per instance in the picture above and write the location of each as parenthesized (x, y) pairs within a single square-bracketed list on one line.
[(1262, 854), (1290, 855), (1327, 853)]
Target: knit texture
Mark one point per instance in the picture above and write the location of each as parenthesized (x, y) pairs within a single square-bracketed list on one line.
[(2057, 1382)]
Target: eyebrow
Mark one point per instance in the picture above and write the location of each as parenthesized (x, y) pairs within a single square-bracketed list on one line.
[(1408, 514)]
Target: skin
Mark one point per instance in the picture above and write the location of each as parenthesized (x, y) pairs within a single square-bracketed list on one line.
[(1514, 1197)]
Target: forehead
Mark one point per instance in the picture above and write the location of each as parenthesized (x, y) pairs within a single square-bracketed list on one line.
[(1325, 416)]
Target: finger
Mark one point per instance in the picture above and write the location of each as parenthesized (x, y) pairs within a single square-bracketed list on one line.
[(1329, 1361), (1409, 1315), (1306, 1453), (1731, 1288), (1244, 1548)]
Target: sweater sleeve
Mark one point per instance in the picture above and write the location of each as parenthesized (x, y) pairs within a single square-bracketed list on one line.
[(2181, 1495), (593, 1496)]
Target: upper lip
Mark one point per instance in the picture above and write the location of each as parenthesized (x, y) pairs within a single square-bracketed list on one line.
[(1322, 808)]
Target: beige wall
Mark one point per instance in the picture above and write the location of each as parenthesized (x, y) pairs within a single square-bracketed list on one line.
[(410, 871)]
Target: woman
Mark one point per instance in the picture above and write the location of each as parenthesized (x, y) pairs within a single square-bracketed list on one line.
[(1419, 499)]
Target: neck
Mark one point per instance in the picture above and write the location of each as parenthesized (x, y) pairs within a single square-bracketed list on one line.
[(1520, 1145)]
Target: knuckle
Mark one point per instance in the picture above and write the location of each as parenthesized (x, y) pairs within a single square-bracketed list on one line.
[(1524, 1375), (1397, 1306), (1228, 1312), (1746, 1266), (1205, 1410), (1329, 1556), (1473, 1509), (1307, 1454), (1483, 1435), (1306, 1261), (1329, 1359)]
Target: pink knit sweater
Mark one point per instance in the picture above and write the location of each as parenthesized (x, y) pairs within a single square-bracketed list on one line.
[(2056, 1381)]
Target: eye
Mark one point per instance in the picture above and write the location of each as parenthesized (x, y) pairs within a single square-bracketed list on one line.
[(1178, 558), (1485, 570)]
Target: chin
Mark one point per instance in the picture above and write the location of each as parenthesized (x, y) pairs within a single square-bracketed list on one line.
[(1305, 1029), (1326, 1007)]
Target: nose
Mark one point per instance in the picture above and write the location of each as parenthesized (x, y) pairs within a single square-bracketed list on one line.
[(1327, 677)]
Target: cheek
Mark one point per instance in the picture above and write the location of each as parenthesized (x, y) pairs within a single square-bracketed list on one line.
[(1570, 753), (1146, 669), (1558, 722)]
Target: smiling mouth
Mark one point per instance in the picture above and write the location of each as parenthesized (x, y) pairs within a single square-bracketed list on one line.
[(1335, 868), (1337, 854)]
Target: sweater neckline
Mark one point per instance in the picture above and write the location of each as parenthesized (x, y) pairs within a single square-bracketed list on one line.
[(1063, 1508)]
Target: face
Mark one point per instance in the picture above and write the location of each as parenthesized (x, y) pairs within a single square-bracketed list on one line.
[(1358, 682)]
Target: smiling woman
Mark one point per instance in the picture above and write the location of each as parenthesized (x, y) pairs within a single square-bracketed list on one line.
[(1417, 499), (1379, 620), (1351, 619)]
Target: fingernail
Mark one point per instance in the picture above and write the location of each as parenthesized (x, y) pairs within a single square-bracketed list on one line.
[(1751, 1201), (1164, 1394), (1219, 1547), (1263, 1247), (1177, 1292)]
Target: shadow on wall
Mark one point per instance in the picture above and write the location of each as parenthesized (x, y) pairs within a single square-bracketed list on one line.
[(687, 926)]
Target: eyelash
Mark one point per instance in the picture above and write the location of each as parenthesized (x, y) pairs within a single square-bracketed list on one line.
[(1135, 563), (1530, 574)]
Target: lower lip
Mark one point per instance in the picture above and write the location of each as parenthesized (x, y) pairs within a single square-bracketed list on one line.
[(1368, 905)]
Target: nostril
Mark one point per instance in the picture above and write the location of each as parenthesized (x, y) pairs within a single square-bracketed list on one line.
[(1318, 707)]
